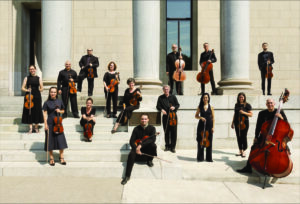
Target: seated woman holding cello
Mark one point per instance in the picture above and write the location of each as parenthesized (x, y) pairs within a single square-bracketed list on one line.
[(131, 102), (88, 119)]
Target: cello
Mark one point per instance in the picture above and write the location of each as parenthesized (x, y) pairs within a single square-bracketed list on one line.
[(203, 76), (269, 73), (271, 157), (179, 74)]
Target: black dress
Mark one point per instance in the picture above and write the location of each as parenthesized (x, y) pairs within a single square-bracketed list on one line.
[(36, 111), (129, 108), (241, 135), (56, 141), (84, 121), (111, 96), (209, 125)]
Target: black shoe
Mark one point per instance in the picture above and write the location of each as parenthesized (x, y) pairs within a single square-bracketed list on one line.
[(76, 116), (114, 116), (246, 169), (52, 163), (173, 150), (167, 149), (199, 160), (108, 115), (90, 94), (62, 162), (269, 94), (209, 160), (113, 131), (124, 181), (150, 163)]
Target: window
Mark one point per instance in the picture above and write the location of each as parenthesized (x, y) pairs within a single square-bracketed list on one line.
[(179, 28)]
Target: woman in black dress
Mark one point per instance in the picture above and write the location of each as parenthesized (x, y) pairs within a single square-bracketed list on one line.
[(107, 78), (34, 84), (242, 112), (205, 114), (88, 116), (131, 102), (52, 107)]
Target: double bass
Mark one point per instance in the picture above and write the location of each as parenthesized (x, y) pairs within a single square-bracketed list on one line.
[(179, 74), (203, 76), (271, 157), (269, 73)]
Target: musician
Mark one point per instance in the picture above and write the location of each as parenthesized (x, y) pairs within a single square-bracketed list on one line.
[(263, 116), (36, 114), (166, 103), (263, 58), (86, 62), (64, 77), (206, 115), (203, 58), (88, 116), (147, 146), (56, 141), (170, 69), (242, 110), (132, 95), (107, 79)]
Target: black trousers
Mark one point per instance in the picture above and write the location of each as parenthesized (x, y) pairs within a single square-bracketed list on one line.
[(73, 99), (126, 113), (82, 75), (83, 122), (170, 133), (111, 96), (200, 152), (241, 136), (178, 85), (133, 156), (212, 82), (263, 82)]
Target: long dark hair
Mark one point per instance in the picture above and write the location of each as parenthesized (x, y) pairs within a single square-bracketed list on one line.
[(201, 104), (238, 101), (49, 97)]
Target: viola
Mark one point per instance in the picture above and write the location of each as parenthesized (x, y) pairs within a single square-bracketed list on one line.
[(72, 86), (139, 141), (90, 73), (271, 157), (179, 74), (204, 142), (113, 83), (172, 118), (134, 100), (203, 76), (88, 130), (269, 69), (29, 103), (58, 127)]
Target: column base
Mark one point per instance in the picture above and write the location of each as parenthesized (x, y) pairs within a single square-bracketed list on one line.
[(149, 86), (234, 86), (48, 84)]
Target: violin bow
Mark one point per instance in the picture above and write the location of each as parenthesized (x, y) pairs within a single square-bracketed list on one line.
[(156, 157)]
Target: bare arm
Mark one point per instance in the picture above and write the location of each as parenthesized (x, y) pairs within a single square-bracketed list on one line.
[(41, 85), (24, 85), (45, 120)]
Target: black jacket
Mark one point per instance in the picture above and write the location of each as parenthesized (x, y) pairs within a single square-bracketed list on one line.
[(64, 76), (164, 102), (171, 58), (263, 58), (139, 132), (84, 62)]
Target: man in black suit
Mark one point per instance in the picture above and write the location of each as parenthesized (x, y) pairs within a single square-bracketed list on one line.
[(264, 58), (86, 62)]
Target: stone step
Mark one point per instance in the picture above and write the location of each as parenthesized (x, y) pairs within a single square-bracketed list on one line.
[(72, 145), (71, 156)]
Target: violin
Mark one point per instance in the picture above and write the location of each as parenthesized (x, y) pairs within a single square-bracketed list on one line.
[(269, 69), (58, 127), (139, 141), (113, 83), (203, 76), (29, 103), (72, 86), (272, 156), (172, 117), (88, 130), (134, 100), (204, 142), (179, 74), (242, 124)]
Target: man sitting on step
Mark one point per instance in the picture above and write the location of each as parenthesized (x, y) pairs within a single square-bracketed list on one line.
[(142, 141)]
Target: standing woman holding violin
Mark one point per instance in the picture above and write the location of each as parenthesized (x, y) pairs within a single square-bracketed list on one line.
[(32, 110), (55, 138), (88, 119), (205, 129), (111, 80), (240, 121), (131, 102)]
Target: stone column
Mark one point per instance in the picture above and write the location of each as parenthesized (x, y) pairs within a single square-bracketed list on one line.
[(234, 46), (146, 44), (56, 37)]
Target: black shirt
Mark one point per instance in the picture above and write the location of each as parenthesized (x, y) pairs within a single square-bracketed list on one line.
[(139, 132), (263, 58), (108, 77), (205, 56), (171, 58), (128, 96), (164, 102), (264, 116), (64, 76), (237, 109), (83, 111)]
